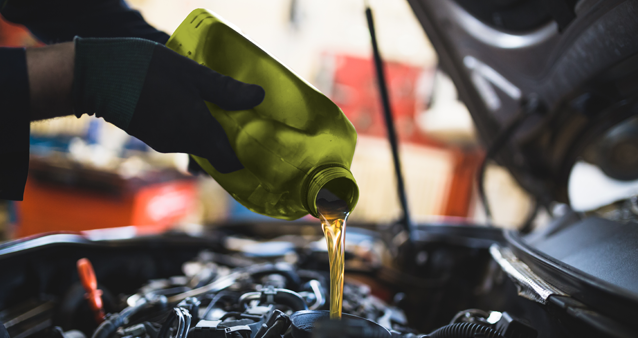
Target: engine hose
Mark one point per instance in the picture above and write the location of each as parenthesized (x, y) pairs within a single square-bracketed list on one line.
[(277, 296), (112, 323), (183, 323), (179, 332), (288, 298), (277, 329), (163, 332), (465, 330), (108, 327), (214, 301), (188, 318)]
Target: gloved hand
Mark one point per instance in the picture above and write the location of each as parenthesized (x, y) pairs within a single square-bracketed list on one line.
[(158, 96)]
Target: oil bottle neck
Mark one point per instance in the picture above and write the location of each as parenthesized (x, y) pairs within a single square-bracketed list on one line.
[(338, 179)]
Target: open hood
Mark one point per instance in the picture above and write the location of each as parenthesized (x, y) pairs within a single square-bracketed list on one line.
[(567, 68)]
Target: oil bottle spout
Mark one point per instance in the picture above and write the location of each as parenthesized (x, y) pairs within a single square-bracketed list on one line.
[(338, 180)]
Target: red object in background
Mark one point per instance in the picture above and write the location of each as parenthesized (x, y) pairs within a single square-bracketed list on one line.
[(153, 209), (93, 294), (355, 91), (70, 199), (466, 162), (12, 35)]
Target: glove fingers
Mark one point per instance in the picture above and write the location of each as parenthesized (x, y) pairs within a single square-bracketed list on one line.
[(211, 142), (228, 93)]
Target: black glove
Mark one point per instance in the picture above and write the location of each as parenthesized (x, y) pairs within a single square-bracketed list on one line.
[(158, 96)]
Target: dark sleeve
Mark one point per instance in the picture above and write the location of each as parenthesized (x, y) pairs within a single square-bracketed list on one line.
[(53, 21), (14, 123)]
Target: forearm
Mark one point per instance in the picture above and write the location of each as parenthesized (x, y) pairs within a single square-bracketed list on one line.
[(50, 72)]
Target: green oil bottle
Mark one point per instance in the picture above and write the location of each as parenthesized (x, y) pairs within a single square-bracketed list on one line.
[(292, 145)]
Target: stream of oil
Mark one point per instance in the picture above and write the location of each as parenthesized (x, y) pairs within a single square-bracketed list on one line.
[(333, 213)]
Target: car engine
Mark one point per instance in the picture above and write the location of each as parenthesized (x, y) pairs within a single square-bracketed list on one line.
[(248, 289)]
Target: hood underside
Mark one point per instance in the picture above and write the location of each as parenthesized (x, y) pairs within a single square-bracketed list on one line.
[(570, 68)]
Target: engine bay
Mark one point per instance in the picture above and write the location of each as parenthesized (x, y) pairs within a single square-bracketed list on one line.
[(241, 288), (447, 283)]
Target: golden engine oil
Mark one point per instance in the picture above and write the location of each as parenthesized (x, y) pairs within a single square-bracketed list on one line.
[(291, 145), (333, 213)]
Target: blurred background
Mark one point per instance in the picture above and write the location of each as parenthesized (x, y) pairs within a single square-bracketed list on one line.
[(87, 174)]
